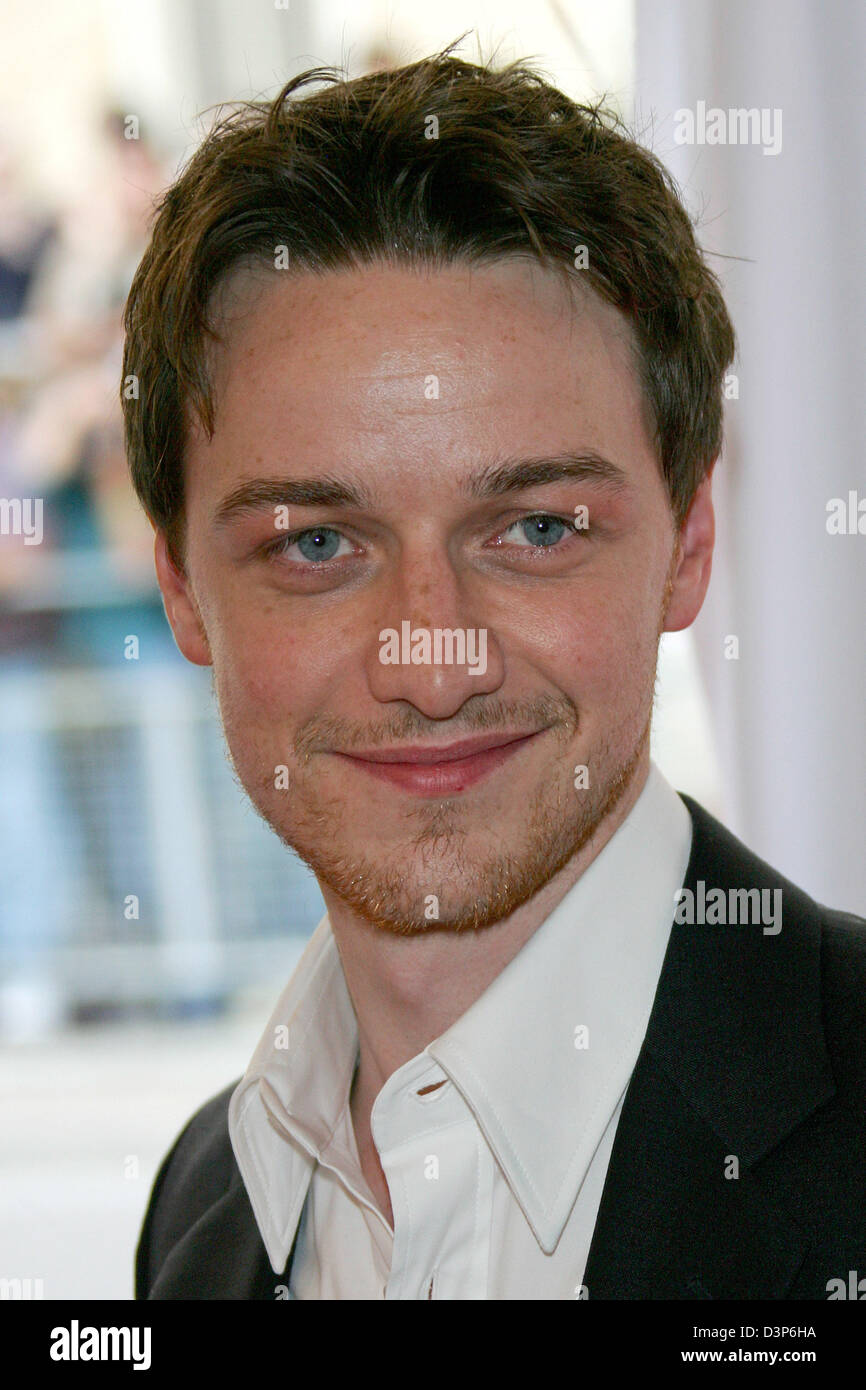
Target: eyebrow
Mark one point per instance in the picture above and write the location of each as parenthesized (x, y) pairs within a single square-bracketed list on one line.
[(512, 475), (267, 493), (494, 480)]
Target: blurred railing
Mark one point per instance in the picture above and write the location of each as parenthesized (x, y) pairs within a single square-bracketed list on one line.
[(133, 870)]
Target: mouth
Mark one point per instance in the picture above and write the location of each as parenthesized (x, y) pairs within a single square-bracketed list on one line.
[(444, 770)]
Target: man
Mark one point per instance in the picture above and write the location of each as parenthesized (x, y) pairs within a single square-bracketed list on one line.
[(430, 378)]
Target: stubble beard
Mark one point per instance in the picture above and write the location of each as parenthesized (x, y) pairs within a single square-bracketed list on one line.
[(452, 872)]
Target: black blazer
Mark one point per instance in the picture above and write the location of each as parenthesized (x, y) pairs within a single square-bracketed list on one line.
[(755, 1050)]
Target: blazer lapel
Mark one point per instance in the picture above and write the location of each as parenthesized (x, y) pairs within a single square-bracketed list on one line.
[(222, 1256), (734, 1058), (670, 1224)]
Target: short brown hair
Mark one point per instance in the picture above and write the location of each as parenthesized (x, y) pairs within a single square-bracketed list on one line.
[(347, 174)]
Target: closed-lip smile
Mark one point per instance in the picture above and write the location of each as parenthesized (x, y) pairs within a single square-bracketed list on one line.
[(442, 769)]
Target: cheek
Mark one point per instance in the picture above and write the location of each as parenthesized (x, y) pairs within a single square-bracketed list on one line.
[(271, 672), (255, 663), (599, 643)]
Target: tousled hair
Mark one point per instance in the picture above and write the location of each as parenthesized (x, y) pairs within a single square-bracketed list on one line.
[(355, 172)]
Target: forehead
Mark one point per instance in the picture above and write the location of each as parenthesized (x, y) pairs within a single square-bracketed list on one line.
[(427, 361)]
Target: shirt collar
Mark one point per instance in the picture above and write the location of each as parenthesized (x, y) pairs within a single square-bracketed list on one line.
[(302, 1068), (541, 1092)]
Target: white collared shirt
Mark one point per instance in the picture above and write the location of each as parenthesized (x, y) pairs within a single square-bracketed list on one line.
[(495, 1178)]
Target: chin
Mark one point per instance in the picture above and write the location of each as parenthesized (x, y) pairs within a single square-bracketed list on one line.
[(448, 865), (446, 882)]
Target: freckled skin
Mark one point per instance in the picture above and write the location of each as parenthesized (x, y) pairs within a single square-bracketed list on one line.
[(326, 375)]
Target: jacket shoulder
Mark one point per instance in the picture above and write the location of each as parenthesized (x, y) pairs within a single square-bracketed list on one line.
[(836, 940), (196, 1173), (843, 971)]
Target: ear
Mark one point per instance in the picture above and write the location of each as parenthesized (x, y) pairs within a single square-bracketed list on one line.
[(694, 560), (180, 606)]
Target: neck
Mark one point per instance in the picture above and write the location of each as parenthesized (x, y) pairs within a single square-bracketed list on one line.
[(409, 989)]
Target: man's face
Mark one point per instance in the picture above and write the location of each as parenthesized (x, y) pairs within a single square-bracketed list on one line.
[(420, 393)]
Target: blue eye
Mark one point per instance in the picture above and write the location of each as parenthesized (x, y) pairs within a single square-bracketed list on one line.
[(542, 530), (317, 543), (320, 544)]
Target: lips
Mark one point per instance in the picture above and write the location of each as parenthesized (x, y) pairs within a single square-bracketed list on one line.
[(442, 770), (446, 753)]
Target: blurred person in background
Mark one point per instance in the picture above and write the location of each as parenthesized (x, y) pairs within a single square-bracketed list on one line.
[(64, 276), (25, 233), (70, 436)]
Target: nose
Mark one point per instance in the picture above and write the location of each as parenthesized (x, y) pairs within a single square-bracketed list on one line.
[(430, 647)]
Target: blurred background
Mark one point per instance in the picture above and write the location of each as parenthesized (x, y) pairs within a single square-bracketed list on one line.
[(148, 918)]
